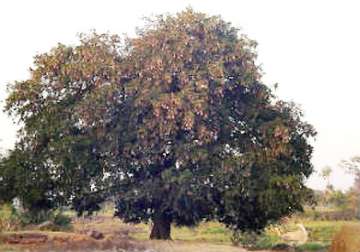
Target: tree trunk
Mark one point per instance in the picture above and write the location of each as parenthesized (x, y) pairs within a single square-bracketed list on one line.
[(161, 228)]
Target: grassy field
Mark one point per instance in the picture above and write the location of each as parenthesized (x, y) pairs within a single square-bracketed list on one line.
[(320, 231), (210, 236), (211, 232)]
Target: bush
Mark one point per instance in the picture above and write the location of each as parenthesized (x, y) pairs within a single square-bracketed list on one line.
[(253, 240), (242, 238), (55, 220), (62, 221), (312, 246), (35, 217), (331, 215), (267, 241), (9, 220)]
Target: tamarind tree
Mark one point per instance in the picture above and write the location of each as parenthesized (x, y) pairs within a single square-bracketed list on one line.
[(175, 124)]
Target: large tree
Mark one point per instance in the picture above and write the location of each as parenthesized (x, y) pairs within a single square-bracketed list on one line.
[(175, 123), (205, 138)]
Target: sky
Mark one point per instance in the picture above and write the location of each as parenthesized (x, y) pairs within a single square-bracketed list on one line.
[(310, 48)]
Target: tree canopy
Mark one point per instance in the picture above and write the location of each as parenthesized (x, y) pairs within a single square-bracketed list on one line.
[(175, 124)]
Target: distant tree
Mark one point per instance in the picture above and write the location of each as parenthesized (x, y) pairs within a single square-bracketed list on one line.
[(325, 174), (352, 166), (339, 199), (175, 123), (317, 199)]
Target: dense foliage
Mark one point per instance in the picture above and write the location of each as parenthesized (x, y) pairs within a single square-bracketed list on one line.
[(175, 123), (60, 151), (25, 177)]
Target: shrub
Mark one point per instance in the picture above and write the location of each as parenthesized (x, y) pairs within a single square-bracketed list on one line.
[(56, 219), (266, 241), (35, 217), (9, 220), (311, 246), (62, 221), (332, 215), (254, 240), (347, 240)]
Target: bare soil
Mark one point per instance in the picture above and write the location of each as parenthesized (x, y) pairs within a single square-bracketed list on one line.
[(116, 237)]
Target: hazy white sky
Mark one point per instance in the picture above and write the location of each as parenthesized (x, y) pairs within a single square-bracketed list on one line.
[(311, 48)]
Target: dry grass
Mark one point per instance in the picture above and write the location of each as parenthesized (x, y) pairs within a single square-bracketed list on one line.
[(347, 240), (207, 237)]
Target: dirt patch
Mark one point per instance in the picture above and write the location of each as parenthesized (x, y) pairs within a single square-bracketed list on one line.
[(116, 237), (59, 241), (97, 233), (63, 242), (24, 238), (186, 246)]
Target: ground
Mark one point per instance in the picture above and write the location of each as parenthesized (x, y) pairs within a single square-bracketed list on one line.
[(117, 235), (209, 237)]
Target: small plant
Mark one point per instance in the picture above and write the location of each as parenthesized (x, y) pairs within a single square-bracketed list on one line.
[(9, 220), (35, 217), (311, 246), (62, 221), (53, 220), (266, 241), (254, 240), (246, 239)]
